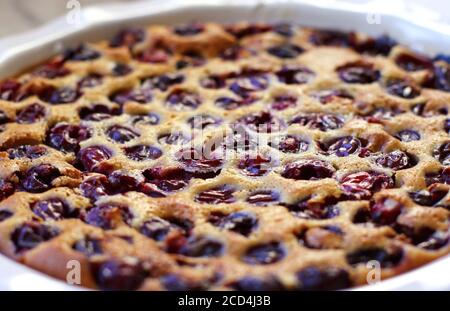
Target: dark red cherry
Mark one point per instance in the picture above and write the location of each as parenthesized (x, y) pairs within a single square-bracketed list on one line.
[(54, 96), (255, 165), (294, 74), (418, 109), (190, 58), (81, 53), (413, 62), (190, 29), (291, 144), (115, 275), (285, 51), (379, 46), (98, 112), (320, 121), (67, 137), (39, 178), (442, 153), (31, 114), (387, 259), (128, 37), (329, 95), (95, 186), (7, 188), (379, 114), (202, 246), (440, 78), (362, 185), (121, 134), (241, 31), (108, 216), (91, 157), (142, 152), (250, 283), (142, 96), (217, 195), (213, 82), (182, 100), (27, 151), (308, 169), (402, 88), (51, 71), (160, 181), (358, 72), (31, 234), (148, 119), (428, 198), (162, 82), (385, 211), (5, 214), (342, 147), (200, 163), (396, 160), (54, 209), (121, 70), (246, 84), (173, 138), (447, 126), (262, 122), (264, 198), (157, 228), (442, 176), (229, 103), (324, 278), (12, 90), (203, 121), (407, 135), (88, 246), (307, 209), (123, 181), (424, 237), (284, 102), (243, 223), (92, 80), (332, 37), (264, 254), (154, 55)]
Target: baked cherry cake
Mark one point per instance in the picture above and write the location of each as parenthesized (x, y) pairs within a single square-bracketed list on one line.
[(217, 157)]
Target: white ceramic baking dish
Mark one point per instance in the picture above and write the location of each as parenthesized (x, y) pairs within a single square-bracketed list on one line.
[(406, 21)]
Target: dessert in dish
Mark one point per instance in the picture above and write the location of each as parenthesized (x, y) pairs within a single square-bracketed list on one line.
[(217, 157)]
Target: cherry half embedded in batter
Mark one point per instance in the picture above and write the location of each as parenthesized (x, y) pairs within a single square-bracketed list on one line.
[(121, 181), (157, 228), (320, 121), (54, 209), (128, 37), (12, 90), (200, 163), (31, 234), (67, 137), (361, 185), (108, 216), (163, 180), (255, 165), (245, 84), (283, 102), (332, 38), (88, 246), (173, 138), (203, 121), (429, 197), (95, 186), (162, 82), (121, 134), (202, 246), (385, 211), (264, 254), (402, 88), (118, 275), (90, 81), (308, 209), (441, 176), (329, 95), (285, 51), (324, 278), (56, 96), (262, 122), (80, 53), (142, 152), (407, 135), (387, 259), (263, 198), (183, 100), (91, 157), (308, 169), (294, 74), (150, 118), (243, 223), (358, 72), (51, 70), (342, 147), (39, 178), (442, 153), (31, 114), (190, 29), (217, 195), (413, 62), (396, 160), (291, 144), (7, 188), (27, 151), (98, 112), (229, 103)]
